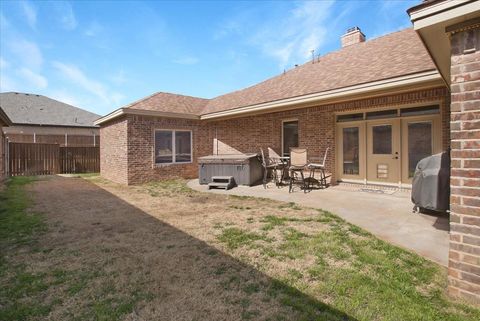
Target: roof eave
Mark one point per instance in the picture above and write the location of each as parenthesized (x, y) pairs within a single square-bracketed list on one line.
[(55, 125), (391, 83), (141, 112), (4, 118)]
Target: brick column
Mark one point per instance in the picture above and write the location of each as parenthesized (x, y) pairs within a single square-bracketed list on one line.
[(464, 256)]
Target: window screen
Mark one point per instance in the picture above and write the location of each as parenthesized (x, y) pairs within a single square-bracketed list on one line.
[(183, 148), (163, 147)]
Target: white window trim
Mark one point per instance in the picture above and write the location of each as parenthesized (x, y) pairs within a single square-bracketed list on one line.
[(174, 147)]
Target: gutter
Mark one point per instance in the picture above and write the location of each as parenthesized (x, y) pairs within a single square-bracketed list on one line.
[(330, 94)]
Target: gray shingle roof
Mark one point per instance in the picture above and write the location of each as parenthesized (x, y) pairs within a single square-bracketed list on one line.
[(32, 109)]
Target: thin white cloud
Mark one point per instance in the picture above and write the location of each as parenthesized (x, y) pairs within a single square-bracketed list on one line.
[(290, 39), (66, 15), (288, 36), (30, 14), (65, 97), (33, 78), (4, 64), (186, 60), (7, 83), (77, 77), (389, 13), (28, 53), (119, 78)]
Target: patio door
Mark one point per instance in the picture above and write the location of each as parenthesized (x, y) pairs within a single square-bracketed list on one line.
[(421, 137), (351, 146), (383, 151), (384, 146)]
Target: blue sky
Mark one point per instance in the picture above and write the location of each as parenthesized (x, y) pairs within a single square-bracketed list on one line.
[(101, 55)]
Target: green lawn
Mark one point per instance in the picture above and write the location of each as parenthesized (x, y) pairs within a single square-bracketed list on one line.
[(319, 267)]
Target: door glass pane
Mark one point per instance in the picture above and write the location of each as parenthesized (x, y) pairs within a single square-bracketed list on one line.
[(183, 148), (427, 110), (382, 139), (419, 144), (382, 114), (290, 136), (350, 151), (163, 147), (349, 117)]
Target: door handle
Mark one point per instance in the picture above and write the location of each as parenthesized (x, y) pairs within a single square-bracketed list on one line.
[(396, 155)]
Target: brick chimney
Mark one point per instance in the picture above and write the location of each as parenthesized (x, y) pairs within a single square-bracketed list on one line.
[(353, 36)]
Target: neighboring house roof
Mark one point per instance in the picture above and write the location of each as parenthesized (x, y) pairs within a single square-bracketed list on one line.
[(32, 109), (4, 120), (394, 55), (173, 103)]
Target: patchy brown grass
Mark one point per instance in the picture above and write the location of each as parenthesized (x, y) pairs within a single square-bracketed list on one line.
[(161, 251)]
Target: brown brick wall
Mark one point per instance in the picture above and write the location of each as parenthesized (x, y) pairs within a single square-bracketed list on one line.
[(464, 259), (317, 124), (141, 167), (245, 134), (113, 154)]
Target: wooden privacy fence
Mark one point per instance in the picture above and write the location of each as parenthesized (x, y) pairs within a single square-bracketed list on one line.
[(79, 160), (46, 159), (32, 159)]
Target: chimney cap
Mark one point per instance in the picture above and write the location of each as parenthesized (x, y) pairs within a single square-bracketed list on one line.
[(353, 29)]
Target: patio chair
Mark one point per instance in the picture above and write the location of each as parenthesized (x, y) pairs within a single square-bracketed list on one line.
[(269, 165), (298, 163), (321, 168), (281, 162)]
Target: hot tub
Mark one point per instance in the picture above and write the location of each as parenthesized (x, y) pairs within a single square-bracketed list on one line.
[(246, 169)]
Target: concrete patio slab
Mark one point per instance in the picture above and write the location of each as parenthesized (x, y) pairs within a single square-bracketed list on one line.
[(387, 215)]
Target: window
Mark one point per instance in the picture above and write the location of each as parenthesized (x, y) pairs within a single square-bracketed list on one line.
[(382, 114), (173, 146), (290, 136), (418, 111), (349, 117), (382, 139)]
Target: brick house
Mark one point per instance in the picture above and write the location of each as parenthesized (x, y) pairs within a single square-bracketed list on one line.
[(4, 122), (345, 100), (40, 119), (380, 105)]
